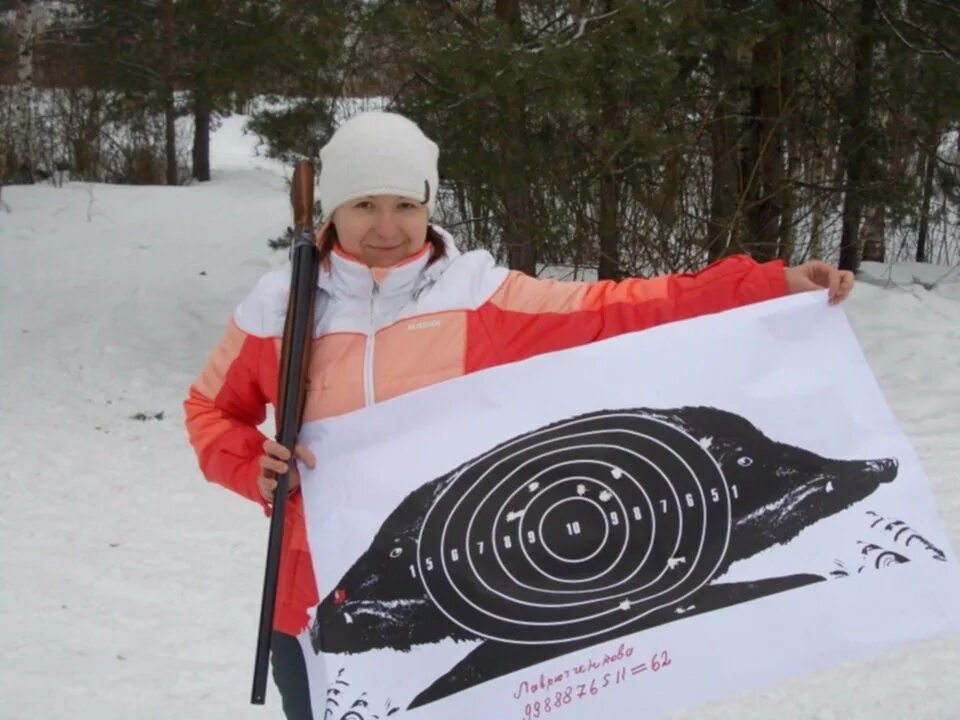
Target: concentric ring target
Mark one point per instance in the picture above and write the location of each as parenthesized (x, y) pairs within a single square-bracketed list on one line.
[(575, 530)]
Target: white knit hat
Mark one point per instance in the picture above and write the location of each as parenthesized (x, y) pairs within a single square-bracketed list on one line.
[(378, 153)]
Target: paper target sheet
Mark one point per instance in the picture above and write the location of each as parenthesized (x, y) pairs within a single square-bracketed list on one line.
[(623, 529)]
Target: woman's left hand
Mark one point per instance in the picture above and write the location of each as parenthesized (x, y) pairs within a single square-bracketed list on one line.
[(816, 275)]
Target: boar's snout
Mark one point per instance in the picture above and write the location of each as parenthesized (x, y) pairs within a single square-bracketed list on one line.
[(883, 470)]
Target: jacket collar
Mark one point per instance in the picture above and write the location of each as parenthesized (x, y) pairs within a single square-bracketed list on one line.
[(344, 276)]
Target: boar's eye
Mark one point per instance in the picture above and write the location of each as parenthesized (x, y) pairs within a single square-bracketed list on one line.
[(745, 461), (396, 552)]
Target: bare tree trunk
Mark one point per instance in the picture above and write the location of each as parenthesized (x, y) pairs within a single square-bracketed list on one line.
[(816, 231), (929, 168), (609, 266), (201, 138), (856, 138), (764, 194), (944, 254), (87, 141), (521, 253), (169, 112), (724, 183), (29, 24), (609, 213), (793, 132), (788, 233), (813, 174)]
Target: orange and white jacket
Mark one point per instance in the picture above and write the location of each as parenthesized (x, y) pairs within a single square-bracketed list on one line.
[(379, 334)]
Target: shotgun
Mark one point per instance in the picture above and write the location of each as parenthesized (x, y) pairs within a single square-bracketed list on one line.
[(294, 361)]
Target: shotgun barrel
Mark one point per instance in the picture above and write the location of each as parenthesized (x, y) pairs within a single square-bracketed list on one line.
[(294, 361)]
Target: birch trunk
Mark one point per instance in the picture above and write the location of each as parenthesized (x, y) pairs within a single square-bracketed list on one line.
[(873, 234), (29, 25)]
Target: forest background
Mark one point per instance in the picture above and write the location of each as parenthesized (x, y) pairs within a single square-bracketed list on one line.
[(621, 137)]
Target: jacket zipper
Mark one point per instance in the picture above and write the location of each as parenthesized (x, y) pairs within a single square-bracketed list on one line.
[(368, 350)]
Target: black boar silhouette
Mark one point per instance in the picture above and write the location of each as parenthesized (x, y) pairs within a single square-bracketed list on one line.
[(583, 531)]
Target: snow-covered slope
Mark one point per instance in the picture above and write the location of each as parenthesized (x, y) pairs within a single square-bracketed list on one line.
[(131, 587)]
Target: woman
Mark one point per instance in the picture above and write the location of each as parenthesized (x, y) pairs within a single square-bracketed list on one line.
[(399, 308)]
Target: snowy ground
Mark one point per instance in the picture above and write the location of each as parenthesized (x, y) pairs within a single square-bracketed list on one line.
[(131, 587)]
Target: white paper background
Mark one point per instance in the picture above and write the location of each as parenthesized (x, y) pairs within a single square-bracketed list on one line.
[(791, 366)]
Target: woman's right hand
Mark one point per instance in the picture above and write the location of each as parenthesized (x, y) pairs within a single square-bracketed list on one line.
[(274, 461)]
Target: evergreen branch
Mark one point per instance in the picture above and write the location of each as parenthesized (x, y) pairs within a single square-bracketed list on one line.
[(821, 186), (467, 221), (458, 16), (944, 51), (831, 14), (543, 28), (582, 26), (148, 72), (936, 154), (952, 7)]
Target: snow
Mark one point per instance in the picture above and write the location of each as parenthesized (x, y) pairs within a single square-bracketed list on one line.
[(131, 586)]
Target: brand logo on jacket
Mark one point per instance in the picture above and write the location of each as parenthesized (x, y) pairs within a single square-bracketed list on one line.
[(424, 324)]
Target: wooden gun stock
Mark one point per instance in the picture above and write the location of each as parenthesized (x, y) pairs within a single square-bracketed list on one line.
[(301, 196)]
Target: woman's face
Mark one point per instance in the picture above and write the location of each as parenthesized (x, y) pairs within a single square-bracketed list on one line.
[(381, 230)]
